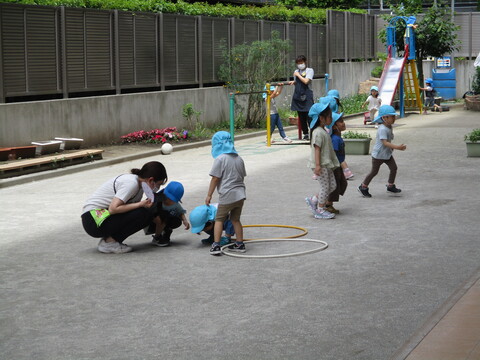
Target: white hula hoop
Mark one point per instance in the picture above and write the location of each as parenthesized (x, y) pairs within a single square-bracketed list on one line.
[(241, 255)]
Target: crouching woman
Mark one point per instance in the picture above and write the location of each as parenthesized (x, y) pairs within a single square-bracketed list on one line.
[(116, 209)]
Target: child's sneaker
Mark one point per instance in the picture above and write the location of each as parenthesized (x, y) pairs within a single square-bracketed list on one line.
[(393, 189), (348, 174), (215, 249), (224, 241), (312, 203), (323, 214), (159, 240), (237, 247), (332, 210), (287, 140), (364, 191), (113, 247)]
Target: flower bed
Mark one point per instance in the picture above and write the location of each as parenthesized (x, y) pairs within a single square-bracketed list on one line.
[(156, 136)]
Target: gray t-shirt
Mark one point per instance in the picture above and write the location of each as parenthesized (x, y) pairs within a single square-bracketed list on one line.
[(124, 187), (230, 168), (273, 107), (174, 210), (328, 158), (379, 150), (307, 73)]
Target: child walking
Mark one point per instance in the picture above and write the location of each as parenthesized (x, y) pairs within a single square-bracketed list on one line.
[(274, 116), (373, 101), (323, 160), (430, 96), (337, 126), (227, 176), (382, 151)]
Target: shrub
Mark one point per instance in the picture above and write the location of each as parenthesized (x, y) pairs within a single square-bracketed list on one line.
[(355, 135), (473, 136), (476, 81), (156, 136)]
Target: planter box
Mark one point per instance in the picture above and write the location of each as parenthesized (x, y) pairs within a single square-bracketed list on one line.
[(357, 146), (473, 149), (69, 143), (17, 152), (472, 102), (293, 120), (47, 147)]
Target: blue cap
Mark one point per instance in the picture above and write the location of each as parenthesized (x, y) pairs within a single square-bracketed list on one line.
[(429, 80), (374, 88), (335, 118), (174, 191), (222, 144), (334, 93), (383, 111), (264, 95), (200, 215), (317, 108)]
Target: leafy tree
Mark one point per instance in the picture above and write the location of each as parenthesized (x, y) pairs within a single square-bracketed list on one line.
[(248, 67), (333, 4), (435, 33)]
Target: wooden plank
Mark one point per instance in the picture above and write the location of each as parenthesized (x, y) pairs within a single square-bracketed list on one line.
[(49, 159)]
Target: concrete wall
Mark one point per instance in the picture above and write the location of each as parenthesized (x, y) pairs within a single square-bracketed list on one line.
[(103, 119)]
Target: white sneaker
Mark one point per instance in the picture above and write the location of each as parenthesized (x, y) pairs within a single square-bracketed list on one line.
[(287, 139), (113, 247), (324, 214)]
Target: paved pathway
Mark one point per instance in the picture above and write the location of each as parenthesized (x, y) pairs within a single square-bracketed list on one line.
[(392, 261)]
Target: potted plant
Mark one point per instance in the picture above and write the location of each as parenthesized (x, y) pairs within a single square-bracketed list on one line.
[(472, 140), (472, 98), (356, 143)]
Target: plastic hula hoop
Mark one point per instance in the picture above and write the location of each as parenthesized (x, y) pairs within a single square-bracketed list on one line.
[(305, 231), (241, 255)]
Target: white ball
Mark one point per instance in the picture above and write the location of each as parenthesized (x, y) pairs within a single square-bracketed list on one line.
[(166, 149)]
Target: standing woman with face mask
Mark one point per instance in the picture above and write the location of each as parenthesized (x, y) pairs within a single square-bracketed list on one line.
[(116, 209), (302, 99)]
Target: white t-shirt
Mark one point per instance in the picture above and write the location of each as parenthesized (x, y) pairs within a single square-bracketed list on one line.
[(230, 168), (374, 102), (124, 187)]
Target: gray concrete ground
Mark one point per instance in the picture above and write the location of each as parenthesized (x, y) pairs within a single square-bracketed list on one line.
[(391, 261)]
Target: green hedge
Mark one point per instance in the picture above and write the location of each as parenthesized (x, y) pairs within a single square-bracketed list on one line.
[(273, 12)]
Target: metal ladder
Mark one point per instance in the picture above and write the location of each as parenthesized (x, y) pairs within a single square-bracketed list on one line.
[(411, 88)]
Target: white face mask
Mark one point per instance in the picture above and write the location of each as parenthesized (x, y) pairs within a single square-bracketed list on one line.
[(301, 66)]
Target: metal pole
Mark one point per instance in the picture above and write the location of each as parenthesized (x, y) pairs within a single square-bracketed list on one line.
[(232, 115), (269, 126), (326, 84), (401, 98)]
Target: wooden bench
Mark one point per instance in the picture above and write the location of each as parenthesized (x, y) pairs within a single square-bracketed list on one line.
[(21, 167)]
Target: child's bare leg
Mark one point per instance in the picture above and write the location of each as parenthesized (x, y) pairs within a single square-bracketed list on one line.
[(217, 231), (237, 225)]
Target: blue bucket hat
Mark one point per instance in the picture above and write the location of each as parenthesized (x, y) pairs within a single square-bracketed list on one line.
[(317, 108), (264, 95), (200, 215), (222, 144), (384, 110), (334, 93), (374, 88), (335, 118), (174, 191), (429, 81)]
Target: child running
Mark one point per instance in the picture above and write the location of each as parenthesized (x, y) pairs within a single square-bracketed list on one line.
[(323, 160), (337, 126), (373, 101), (228, 173), (382, 150), (274, 116)]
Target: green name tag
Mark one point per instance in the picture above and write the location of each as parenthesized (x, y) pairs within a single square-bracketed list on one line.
[(99, 215)]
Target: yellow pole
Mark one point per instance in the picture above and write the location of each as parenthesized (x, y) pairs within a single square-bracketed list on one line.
[(269, 140)]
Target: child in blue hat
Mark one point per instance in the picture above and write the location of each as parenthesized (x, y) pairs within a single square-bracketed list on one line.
[(382, 150), (202, 218), (227, 177), (323, 160), (170, 213), (430, 93), (337, 126), (274, 116)]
